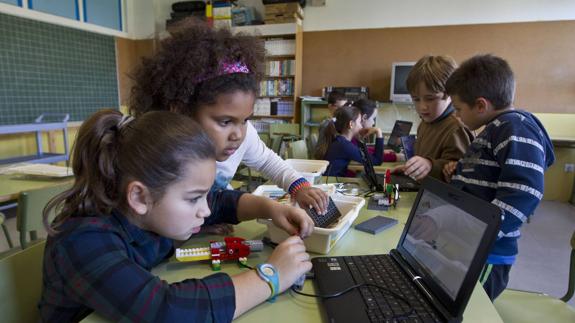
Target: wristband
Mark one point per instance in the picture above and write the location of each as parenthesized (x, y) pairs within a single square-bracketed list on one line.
[(269, 274), (298, 185)]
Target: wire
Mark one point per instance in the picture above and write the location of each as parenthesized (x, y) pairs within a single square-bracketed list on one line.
[(347, 290)]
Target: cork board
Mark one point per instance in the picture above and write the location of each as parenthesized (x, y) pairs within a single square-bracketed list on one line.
[(540, 53)]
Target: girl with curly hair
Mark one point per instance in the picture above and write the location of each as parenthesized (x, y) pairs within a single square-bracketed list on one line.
[(213, 76)]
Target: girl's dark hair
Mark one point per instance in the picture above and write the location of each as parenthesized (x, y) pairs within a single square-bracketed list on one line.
[(107, 155), (331, 128), (366, 106), (185, 71), (335, 96)]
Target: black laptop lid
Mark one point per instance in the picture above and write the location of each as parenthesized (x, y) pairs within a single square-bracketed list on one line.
[(368, 168), (446, 241), (400, 128)]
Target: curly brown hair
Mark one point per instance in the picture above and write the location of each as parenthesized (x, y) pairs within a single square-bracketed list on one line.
[(183, 74)]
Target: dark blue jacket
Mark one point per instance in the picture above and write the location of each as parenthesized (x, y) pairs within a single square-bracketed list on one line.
[(341, 151), (504, 165)]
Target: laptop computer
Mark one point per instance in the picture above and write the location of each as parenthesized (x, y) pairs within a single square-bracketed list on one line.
[(400, 128), (408, 144), (431, 273), (376, 182)]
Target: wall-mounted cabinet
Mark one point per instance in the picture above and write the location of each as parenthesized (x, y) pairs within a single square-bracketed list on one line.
[(14, 2), (62, 8), (101, 16), (105, 13)]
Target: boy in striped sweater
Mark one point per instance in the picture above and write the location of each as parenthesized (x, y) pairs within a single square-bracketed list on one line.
[(505, 162)]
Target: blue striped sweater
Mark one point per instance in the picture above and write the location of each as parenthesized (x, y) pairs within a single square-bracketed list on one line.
[(505, 165)]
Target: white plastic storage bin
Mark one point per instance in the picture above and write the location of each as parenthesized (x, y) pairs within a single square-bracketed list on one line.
[(321, 240), (311, 170)]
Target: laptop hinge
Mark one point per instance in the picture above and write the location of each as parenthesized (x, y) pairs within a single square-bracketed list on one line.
[(421, 286)]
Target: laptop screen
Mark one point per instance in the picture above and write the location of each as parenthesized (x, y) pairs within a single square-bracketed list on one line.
[(443, 239), (400, 128)]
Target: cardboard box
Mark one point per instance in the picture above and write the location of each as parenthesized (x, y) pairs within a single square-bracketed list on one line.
[(282, 19), (283, 9)]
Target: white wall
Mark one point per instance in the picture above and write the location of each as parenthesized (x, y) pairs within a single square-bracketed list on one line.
[(140, 18), (364, 14)]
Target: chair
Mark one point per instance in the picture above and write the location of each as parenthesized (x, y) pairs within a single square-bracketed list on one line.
[(29, 214), (6, 232), (21, 284), (298, 150), (276, 144), (284, 129), (524, 306), (311, 141)]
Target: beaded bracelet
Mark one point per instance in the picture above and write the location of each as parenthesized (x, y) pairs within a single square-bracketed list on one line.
[(298, 185)]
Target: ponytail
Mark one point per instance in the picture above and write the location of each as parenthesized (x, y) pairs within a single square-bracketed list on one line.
[(111, 150), (326, 135), (330, 128)]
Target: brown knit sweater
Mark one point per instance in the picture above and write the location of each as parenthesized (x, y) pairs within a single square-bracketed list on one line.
[(442, 141)]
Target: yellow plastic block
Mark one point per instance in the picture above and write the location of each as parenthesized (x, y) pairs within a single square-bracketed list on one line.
[(193, 254)]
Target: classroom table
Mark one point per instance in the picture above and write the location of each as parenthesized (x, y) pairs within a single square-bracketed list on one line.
[(12, 185), (289, 307), (358, 167)]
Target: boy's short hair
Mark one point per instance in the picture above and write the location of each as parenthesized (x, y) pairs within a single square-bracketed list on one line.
[(433, 71), (335, 96), (485, 76)]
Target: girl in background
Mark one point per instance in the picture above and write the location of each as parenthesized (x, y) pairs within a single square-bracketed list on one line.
[(151, 186), (335, 143), (368, 110)]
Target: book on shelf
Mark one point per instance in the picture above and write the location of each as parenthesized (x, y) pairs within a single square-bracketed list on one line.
[(273, 107), (263, 125), (278, 87), (280, 47), (280, 68)]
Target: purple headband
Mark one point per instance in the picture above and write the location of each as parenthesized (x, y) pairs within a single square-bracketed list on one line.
[(226, 68)]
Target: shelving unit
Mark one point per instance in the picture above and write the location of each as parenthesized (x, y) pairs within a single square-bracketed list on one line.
[(288, 85), (38, 127), (308, 117)]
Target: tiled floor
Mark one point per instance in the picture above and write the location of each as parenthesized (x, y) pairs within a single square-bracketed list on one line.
[(544, 249)]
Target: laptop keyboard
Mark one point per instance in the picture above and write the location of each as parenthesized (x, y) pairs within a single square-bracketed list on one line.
[(325, 220), (381, 306)]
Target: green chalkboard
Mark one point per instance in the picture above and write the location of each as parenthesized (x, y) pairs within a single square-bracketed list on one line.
[(50, 68)]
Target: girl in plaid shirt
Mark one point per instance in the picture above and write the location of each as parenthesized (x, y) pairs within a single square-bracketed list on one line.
[(141, 184)]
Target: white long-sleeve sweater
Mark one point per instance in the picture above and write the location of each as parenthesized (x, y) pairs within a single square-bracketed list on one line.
[(256, 155)]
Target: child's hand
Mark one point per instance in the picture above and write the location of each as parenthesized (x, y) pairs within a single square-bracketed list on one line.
[(292, 220), (308, 197), (291, 261), (417, 167), (223, 229), (397, 169), (448, 170)]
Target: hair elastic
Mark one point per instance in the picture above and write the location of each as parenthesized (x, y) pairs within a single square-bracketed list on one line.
[(125, 120)]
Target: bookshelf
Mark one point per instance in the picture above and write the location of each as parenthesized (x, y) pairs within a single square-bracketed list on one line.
[(280, 88)]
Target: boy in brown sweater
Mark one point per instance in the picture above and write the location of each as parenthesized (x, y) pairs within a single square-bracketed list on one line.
[(441, 137)]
